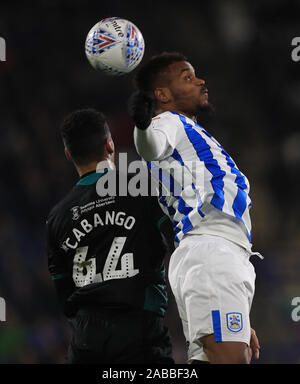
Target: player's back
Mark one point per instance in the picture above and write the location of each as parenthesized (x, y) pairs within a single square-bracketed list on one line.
[(109, 249)]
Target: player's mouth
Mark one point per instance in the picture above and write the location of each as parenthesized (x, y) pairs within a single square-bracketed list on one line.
[(205, 93)]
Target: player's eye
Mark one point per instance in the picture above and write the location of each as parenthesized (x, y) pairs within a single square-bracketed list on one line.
[(188, 78)]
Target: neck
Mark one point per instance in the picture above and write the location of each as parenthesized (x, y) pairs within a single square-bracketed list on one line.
[(83, 169), (96, 166)]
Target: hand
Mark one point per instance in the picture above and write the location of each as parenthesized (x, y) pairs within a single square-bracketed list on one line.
[(141, 106), (254, 346)]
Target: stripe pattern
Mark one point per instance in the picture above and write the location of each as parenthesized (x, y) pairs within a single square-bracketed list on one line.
[(199, 174), (216, 321)]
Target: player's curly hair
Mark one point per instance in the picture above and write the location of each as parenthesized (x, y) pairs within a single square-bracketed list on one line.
[(84, 133), (148, 75)]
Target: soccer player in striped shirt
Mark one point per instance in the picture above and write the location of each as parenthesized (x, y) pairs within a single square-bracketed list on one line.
[(207, 198)]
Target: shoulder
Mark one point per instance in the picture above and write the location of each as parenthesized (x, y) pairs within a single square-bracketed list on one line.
[(169, 124), (166, 119), (60, 209)]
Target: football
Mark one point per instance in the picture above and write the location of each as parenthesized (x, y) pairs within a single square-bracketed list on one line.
[(114, 46)]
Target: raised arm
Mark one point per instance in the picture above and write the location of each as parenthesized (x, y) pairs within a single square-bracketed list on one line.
[(151, 144)]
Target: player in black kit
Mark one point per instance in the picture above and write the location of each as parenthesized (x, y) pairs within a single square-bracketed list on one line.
[(105, 256)]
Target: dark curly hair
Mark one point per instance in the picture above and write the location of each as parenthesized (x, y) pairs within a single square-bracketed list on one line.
[(153, 71)]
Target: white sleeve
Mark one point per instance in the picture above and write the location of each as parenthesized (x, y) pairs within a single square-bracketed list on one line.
[(158, 140)]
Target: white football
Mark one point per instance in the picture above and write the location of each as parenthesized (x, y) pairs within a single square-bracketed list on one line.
[(114, 46)]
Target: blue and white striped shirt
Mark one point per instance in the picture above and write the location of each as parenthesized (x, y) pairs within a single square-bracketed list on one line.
[(200, 187)]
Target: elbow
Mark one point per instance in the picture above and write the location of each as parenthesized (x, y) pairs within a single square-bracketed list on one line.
[(147, 153), (148, 156)]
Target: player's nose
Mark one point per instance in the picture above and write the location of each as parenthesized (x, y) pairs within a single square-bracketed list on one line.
[(200, 82)]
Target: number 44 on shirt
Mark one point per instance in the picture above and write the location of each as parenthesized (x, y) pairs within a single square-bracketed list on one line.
[(84, 271)]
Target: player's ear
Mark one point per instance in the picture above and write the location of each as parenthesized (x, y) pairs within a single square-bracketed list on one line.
[(68, 156), (163, 95), (109, 145)]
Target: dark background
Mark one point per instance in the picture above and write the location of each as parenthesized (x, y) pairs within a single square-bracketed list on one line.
[(243, 51)]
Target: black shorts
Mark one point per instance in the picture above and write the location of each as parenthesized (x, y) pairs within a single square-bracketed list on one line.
[(119, 337)]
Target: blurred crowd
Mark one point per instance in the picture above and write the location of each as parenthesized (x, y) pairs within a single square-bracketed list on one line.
[(242, 50)]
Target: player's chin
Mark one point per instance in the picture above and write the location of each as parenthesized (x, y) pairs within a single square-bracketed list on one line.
[(205, 106)]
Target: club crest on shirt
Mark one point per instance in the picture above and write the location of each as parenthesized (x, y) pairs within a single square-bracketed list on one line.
[(234, 321), (76, 212)]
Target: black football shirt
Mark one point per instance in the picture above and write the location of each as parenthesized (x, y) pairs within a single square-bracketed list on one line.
[(108, 251)]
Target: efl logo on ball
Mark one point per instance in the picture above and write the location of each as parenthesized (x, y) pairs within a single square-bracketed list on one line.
[(114, 46)]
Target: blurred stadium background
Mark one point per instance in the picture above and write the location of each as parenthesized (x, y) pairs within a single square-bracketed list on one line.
[(243, 50)]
